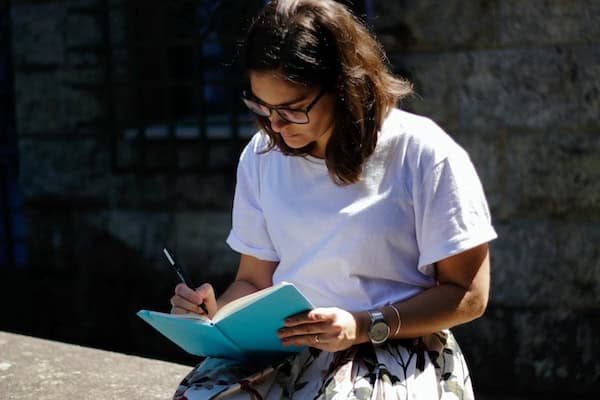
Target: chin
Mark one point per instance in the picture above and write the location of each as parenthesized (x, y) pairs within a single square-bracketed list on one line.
[(301, 150), (295, 142), (295, 145)]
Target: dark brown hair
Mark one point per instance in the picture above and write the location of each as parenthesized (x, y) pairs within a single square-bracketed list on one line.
[(320, 42)]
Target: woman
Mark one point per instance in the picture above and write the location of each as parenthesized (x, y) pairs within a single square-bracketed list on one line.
[(375, 214)]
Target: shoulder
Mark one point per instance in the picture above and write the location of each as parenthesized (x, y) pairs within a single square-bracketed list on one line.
[(256, 151), (419, 141), (257, 160), (257, 145)]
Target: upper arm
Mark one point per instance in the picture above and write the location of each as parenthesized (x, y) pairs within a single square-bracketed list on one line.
[(256, 271), (469, 269)]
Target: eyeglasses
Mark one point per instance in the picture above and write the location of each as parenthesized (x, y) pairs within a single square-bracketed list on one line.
[(292, 115)]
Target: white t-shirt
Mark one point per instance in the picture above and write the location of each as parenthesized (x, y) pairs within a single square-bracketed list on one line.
[(367, 244)]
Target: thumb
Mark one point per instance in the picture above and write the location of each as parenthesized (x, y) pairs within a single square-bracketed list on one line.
[(206, 294)]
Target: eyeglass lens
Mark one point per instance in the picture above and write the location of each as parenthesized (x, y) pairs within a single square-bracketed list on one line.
[(293, 116)]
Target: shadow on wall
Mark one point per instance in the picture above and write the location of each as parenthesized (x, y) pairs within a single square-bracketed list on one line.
[(90, 297)]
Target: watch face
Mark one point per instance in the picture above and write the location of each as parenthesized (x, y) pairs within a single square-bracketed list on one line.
[(379, 332)]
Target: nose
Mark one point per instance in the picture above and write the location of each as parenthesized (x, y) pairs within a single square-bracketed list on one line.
[(276, 121)]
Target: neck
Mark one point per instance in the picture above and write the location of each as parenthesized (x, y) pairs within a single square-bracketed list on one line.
[(318, 152), (321, 143)]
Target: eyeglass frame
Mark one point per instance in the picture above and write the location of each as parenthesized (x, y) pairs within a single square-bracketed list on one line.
[(247, 95)]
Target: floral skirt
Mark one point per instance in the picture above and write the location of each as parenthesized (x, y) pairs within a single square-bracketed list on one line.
[(429, 367)]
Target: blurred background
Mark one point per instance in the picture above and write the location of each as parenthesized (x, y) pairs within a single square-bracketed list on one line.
[(121, 125)]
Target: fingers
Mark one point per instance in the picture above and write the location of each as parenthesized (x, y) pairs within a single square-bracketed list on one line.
[(313, 339), (329, 329), (187, 300), (304, 326), (312, 333), (302, 330), (183, 291), (179, 305), (314, 316)]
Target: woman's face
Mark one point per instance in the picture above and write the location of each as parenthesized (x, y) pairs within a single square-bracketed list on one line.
[(271, 89)]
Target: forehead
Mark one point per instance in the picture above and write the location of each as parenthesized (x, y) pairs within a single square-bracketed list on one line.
[(272, 88)]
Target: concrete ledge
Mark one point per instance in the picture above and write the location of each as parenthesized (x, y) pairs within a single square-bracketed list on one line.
[(32, 368)]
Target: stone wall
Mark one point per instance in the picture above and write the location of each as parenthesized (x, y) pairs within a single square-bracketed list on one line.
[(516, 82), (95, 235), (60, 64)]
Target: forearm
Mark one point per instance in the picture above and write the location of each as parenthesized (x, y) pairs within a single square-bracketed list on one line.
[(437, 308), (460, 296), (253, 274), (237, 289)]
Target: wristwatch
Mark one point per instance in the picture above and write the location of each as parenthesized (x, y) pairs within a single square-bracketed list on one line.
[(379, 331)]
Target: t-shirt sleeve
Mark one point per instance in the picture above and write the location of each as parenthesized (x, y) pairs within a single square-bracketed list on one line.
[(451, 211), (249, 233)]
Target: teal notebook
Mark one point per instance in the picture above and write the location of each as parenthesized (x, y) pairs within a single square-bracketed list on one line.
[(245, 329)]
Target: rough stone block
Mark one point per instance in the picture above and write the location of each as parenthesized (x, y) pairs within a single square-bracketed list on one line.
[(127, 152), (82, 107), (222, 156), (85, 4), (73, 170), (488, 156), (46, 104), (143, 231), (484, 91), (143, 192), (200, 238), (38, 102), (431, 25), (38, 33), (196, 237), (535, 353), (192, 190), (556, 173), (434, 77), (588, 73), (117, 20), (91, 80), (83, 31), (75, 253), (209, 191), (120, 66), (535, 88), (489, 345), (541, 22), (549, 264), (557, 350)]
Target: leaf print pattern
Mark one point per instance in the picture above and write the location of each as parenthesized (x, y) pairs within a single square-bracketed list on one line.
[(430, 367)]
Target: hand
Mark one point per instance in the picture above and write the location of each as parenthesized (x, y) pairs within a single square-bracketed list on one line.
[(328, 329), (187, 301)]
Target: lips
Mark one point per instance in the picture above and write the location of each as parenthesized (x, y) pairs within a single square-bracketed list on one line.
[(287, 135)]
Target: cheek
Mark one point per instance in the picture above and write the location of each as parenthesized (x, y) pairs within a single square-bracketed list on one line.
[(321, 118), (326, 113), (323, 122)]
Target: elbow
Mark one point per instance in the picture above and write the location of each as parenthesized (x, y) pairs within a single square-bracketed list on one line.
[(477, 303)]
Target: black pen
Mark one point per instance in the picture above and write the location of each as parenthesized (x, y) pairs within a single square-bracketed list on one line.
[(182, 276)]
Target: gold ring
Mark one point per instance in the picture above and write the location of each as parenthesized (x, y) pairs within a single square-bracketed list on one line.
[(316, 338)]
